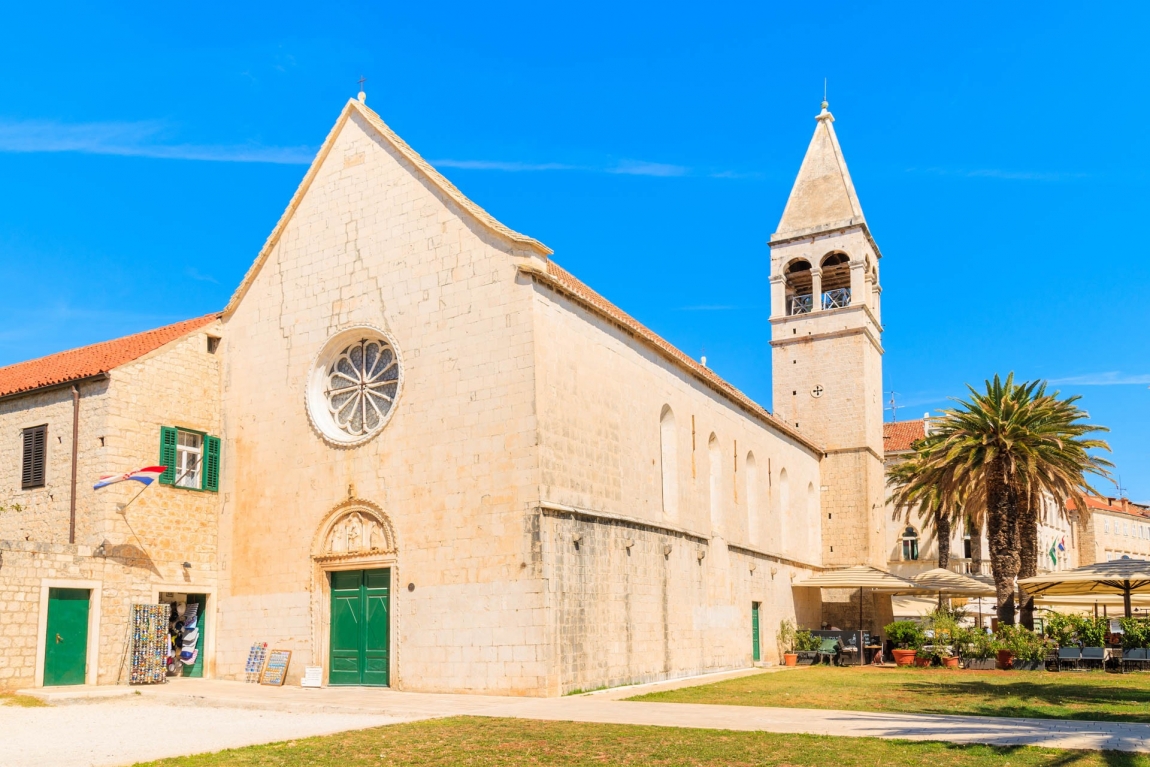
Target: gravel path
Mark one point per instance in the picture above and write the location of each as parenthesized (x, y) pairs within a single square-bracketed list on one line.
[(122, 732)]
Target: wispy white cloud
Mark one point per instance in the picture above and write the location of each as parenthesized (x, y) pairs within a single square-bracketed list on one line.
[(512, 167), (194, 273), (1008, 175), (1112, 378), (134, 139), (643, 168), (623, 167)]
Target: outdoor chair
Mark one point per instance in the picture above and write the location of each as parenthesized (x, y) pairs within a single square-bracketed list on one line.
[(1069, 655), (1134, 658), (1093, 656), (830, 651)]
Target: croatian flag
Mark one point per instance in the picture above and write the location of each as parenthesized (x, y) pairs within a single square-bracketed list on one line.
[(146, 475), (1062, 544)]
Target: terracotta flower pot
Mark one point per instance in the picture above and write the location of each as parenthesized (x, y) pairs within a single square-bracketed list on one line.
[(1004, 659), (922, 661), (950, 662), (904, 657), (791, 658)]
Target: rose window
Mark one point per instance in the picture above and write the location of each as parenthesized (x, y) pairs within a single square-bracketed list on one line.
[(362, 385), (354, 385)]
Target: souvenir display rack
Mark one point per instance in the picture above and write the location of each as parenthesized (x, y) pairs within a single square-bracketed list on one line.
[(149, 644)]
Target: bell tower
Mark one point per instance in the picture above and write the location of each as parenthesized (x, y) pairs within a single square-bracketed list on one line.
[(826, 346)]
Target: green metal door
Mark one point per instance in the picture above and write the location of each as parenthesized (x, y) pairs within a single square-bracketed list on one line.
[(755, 631), (197, 669), (66, 648), (360, 604)]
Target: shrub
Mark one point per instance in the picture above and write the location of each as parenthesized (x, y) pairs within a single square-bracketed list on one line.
[(1023, 643), (786, 637), (805, 641), (1063, 629), (907, 635), (1092, 631), (1136, 633), (975, 644)]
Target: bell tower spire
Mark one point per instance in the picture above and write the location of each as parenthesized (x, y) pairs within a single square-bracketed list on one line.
[(826, 344)]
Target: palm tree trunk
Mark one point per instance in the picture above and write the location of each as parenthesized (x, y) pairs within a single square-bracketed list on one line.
[(942, 533), (1027, 553), (1002, 534), (975, 546)]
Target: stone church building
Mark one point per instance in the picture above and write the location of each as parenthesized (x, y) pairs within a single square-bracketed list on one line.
[(417, 452)]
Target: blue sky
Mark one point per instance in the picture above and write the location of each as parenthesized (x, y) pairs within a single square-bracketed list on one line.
[(146, 151)]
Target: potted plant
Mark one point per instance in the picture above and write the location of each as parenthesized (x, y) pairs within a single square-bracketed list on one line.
[(943, 627), (977, 649), (907, 637), (786, 641), (806, 645), (1027, 649)]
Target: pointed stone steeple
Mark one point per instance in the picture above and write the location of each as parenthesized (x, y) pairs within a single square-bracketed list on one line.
[(823, 196)]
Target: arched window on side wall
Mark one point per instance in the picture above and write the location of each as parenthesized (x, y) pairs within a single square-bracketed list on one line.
[(784, 509), (754, 526), (669, 462), (910, 544), (813, 524), (716, 471)]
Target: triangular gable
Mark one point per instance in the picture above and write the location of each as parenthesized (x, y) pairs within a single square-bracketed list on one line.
[(823, 196), (435, 177)]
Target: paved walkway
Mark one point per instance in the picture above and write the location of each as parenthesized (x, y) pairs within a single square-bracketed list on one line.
[(376, 706)]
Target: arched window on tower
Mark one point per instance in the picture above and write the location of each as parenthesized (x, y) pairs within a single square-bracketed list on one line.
[(669, 462), (836, 271), (754, 525), (798, 287), (716, 470), (910, 544), (784, 509)]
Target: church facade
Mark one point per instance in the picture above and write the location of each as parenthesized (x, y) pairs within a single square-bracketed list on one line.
[(418, 453)]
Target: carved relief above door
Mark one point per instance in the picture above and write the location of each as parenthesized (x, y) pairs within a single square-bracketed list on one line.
[(355, 528)]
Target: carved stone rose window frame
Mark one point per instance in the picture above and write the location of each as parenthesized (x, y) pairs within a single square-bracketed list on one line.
[(354, 385)]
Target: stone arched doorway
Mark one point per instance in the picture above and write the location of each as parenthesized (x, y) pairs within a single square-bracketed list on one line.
[(355, 557)]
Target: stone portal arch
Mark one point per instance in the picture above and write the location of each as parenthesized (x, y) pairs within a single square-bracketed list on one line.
[(353, 529)]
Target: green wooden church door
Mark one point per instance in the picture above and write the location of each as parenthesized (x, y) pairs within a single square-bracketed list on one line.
[(755, 651), (360, 607), (66, 648)]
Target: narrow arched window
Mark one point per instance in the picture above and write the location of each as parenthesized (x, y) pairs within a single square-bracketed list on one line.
[(716, 470), (669, 462), (754, 526), (812, 522), (909, 544), (784, 509), (836, 281)]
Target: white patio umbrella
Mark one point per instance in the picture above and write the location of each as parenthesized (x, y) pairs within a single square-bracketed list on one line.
[(1124, 577), (859, 577)]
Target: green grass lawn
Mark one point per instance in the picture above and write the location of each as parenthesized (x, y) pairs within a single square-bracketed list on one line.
[(1066, 695), (477, 742)]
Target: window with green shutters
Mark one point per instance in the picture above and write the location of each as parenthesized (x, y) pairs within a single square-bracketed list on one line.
[(192, 459)]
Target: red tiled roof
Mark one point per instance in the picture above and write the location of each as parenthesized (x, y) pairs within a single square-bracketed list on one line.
[(898, 436), (1115, 505), (570, 284), (87, 361)]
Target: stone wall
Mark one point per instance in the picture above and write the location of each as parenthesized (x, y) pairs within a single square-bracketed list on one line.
[(133, 543), (373, 242)]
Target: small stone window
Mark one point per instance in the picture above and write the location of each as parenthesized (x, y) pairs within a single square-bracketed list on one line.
[(189, 458), (910, 544), (34, 460)]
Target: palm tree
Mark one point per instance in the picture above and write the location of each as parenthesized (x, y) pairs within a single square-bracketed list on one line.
[(916, 489), (998, 453)]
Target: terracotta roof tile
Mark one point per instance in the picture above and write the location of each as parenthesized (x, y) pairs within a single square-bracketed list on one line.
[(1113, 505), (898, 436), (570, 284), (87, 361)]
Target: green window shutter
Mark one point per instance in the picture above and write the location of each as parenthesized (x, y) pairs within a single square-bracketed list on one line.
[(168, 441), (211, 473)]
